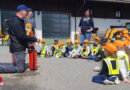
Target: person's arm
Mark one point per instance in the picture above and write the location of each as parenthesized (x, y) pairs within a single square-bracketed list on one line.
[(88, 51), (80, 24), (92, 25), (34, 26), (20, 34)]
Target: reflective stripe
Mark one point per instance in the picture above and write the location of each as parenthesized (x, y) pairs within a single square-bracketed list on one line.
[(109, 63)]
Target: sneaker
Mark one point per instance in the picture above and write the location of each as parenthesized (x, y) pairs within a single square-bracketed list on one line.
[(117, 81), (1, 84), (107, 82), (97, 69)]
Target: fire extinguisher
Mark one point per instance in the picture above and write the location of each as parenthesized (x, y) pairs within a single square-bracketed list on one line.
[(33, 58)]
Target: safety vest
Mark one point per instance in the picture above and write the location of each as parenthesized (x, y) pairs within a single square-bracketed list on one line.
[(43, 52), (59, 52), (113, 65), (56, 46), (28, 32), (84, 52), (95, 50), (126, 61)]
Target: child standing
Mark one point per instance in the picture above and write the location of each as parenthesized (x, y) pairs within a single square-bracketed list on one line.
[(68, 48), (75, 53), (109, 67), (85, 50)]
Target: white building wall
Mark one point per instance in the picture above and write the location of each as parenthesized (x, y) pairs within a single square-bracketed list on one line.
[(0, 18), (102, 23), (38, 21)]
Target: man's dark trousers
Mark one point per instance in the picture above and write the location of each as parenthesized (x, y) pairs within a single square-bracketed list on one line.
[(17, 67)]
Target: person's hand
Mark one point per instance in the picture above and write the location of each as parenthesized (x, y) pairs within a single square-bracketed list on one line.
[(69, 57), (38, 40), (88, 30), (80, 32), (83, 57)]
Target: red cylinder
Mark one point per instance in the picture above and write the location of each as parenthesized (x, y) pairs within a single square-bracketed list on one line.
[(33, 59)]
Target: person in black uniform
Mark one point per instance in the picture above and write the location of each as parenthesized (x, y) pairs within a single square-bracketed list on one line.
[(18, 42)]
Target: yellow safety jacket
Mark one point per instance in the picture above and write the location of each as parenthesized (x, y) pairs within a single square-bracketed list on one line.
[(95, 50), (113, 65), (56, 46), (126, 61), (84, 52), (27, 33), (59, 52), (44, 51)]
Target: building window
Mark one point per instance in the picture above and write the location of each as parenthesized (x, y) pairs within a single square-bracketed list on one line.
[(56, 25), (118, 14)]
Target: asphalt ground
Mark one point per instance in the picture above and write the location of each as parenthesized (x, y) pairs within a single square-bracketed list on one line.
[(55, 74)]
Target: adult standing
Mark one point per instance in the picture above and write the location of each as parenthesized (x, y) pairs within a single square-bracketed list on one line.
[(86, 26), (31, 20), (18, 42)]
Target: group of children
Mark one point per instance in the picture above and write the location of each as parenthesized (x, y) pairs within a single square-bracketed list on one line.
[(116, 63), (71, 50), (113, 56)]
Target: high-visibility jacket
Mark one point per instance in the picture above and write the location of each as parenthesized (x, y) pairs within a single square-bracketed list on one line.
[(60, 52), (113, 65), (126, 61), (95, 50), (56, 46), (44, 51), (84, 52)]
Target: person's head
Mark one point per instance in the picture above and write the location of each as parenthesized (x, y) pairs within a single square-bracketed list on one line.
[(43, 41), (97, 39), (103, 41), (56, 41), (60, 44), (85, 42), (88, 13), (22, 11), (69, 42), (95, 45), (28, 25), (76, 43), (119, 44), (29, 15), (110, 50)]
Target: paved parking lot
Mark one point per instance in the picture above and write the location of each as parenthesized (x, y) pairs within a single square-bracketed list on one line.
[(55, 74)]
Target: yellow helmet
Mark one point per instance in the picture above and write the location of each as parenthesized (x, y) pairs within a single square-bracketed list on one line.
[(85, 41), (76, 41), (42, 40), (28, 25), (68, 41)]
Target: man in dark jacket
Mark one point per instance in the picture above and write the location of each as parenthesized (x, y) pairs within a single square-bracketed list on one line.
[(18, 42)]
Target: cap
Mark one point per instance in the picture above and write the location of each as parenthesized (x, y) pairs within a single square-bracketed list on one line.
[(76, 41), (85, 41), (42, 40), (110, 47), (119, 43), (23, 7), (97, 38), (60, 43), (68, 41), (28, 25)]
